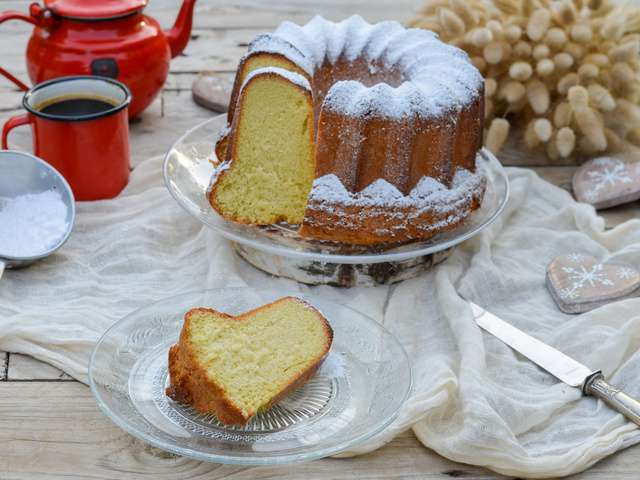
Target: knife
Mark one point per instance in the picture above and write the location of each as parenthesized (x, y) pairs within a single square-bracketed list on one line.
[(558, 364)]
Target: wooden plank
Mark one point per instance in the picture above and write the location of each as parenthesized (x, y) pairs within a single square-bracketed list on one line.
[(4, 365), (55, 431), (24, 367)]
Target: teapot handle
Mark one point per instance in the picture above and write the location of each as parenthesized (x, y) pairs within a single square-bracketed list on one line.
[(37, 16)]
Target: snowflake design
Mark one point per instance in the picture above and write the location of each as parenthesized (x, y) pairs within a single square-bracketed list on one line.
[(625, 273), (581, 276), (609, 175), (576, 257), (568, 294), (591, 195)]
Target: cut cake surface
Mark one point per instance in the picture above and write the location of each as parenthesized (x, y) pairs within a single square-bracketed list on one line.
[(235, 366)]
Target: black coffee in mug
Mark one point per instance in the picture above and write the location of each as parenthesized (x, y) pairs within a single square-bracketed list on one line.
[(74, 107)]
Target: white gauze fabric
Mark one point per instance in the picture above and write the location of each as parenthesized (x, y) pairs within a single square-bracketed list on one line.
[(474, 399)]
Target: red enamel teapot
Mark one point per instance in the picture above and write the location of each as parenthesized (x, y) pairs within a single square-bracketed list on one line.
[(110, 38)]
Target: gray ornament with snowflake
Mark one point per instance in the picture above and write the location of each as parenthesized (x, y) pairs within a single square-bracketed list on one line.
[(606, 182), (579, 283)]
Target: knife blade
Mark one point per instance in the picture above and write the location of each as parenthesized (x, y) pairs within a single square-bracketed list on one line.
[(561, 366)]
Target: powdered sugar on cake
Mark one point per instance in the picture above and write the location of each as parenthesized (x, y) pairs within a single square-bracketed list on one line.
[(293, 77), (328, 192), (438, 77)]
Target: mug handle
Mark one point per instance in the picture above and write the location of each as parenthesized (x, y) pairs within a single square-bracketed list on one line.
[(13, 122)]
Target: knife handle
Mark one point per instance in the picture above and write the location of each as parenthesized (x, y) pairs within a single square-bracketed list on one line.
[(597, 386)]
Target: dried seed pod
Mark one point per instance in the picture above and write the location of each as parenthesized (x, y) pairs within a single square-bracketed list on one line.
[(490, 86), (565, 141), (543, 129), (495, 27), (555, 38), (578, 98), (464, 11), (590, 126), (480, 63), (545, 67), (613, 26), (479, 37), (598, 59), (433, 26), (507, 49), (497, 134), (552, 148), (563, 61), (581, 33), (621, 74), (522, 49), (538, 96), (493, 53), (605, 79), (566, 82), (527, 7), (633, 95), (541, 51), (626, 52), (575, 50), (451, 22), (614, 142), (633, 136), (513, 91), (530, 137), (512, 33), (588, 71), (630, 113), (488, 108), (562, 115), (520, 71), (508, 7), (601, 98), (538, 24), (565, 13)]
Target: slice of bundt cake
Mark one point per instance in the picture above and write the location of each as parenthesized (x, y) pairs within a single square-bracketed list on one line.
[(273, 169), (235, 366)]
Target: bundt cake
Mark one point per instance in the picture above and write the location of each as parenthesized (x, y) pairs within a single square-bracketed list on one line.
[(360, 133), (235, 366)]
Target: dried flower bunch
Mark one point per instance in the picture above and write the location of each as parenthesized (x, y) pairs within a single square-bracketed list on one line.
[(564, 71)]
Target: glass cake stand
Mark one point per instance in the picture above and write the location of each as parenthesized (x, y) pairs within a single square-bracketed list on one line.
[(279, 250), (356, 393)]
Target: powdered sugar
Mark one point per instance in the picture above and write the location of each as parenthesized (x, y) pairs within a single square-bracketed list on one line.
[(438, 77), (293, 77), (328, 192), (32, 224), (270, 43)]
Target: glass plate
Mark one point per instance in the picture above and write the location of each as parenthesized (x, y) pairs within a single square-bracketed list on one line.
[(188, 171), (356, 393)]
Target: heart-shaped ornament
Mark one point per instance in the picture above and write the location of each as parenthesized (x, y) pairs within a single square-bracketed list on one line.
[(579, 283), (606, 182)]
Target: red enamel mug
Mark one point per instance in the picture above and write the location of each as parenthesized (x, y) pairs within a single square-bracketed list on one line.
[(80, 126)]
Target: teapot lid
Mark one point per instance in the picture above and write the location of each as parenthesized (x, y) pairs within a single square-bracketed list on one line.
[(94, 9)]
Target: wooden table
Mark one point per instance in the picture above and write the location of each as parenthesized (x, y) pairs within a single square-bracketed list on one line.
[(50, 426)]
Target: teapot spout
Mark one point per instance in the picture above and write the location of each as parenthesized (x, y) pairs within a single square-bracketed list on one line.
[(180, 33)]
